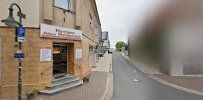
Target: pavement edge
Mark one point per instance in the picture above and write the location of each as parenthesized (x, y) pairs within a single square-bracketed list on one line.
[(109, 86), (163, 81)]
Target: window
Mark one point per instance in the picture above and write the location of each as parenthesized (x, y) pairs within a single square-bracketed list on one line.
[(64, 4), (70, 5), (90, 21)]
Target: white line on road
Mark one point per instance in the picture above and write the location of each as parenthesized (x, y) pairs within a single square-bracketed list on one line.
[(136, 80)]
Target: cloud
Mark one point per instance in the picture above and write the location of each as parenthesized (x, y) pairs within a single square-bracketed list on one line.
[(120, 16)]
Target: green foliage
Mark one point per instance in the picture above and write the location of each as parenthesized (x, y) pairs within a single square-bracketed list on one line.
[(118, 49), (119, 45), (33, 92)]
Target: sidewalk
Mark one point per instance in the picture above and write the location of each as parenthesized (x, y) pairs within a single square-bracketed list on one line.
[(191, 84), (105, 65), (98, 87)]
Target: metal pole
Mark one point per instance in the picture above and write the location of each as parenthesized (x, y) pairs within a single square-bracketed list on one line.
[(19, 62), (20, 74), (20, 68), (19, 24)]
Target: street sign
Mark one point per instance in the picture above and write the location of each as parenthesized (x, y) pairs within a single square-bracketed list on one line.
[(20, 34), (20, 14), (19, 55), (19, 51)]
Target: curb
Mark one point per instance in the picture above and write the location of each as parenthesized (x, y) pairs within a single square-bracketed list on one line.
[(163, 81), (175, 86), (109, 86)]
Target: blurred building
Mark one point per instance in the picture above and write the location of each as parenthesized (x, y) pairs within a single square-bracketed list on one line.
[(106, 42), (62, 38), (172, 39)]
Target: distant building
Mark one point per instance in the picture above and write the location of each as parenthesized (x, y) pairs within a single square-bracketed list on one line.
[(106, 42)]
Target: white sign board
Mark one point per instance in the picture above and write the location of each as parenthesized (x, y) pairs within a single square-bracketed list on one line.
[(49, 31), (45, 54), (78, 54)]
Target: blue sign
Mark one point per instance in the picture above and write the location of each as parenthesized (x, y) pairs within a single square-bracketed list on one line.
[(21, 34), (19, 55), (21, 31)]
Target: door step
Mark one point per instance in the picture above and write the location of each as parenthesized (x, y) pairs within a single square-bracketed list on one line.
[(62, 83), (56, 76)]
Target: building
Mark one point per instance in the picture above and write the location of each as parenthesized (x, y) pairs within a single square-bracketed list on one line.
[(61, 38), (106, 42), (100, 47), (172, 39)]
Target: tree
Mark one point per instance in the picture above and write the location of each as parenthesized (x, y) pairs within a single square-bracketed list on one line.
[(119, 45)]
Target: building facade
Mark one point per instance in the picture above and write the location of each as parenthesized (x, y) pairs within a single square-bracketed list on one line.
[(106, 42), (61, 37), (173, 39)]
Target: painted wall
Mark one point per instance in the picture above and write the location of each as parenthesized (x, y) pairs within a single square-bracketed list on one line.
[(29, 7), (186, 48)]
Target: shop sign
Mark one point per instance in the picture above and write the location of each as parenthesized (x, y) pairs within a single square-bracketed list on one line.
[(45, 54), (49, 31), (78, 53)]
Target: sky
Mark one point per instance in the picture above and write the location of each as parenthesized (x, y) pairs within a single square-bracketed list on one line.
[(120, 17)]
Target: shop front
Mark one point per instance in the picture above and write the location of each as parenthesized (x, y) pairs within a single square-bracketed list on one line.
[(64, 43)]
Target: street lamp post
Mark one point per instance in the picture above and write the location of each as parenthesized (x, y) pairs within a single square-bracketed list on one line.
[(11, 22)]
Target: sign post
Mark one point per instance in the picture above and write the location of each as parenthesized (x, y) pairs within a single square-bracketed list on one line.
[(20, 37)]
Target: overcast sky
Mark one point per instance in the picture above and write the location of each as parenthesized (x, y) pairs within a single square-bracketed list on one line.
[(120, 17)]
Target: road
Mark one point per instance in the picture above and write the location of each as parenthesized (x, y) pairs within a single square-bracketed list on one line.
[(132, 84)]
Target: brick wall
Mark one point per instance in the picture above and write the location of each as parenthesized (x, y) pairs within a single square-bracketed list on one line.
[(31, 66)]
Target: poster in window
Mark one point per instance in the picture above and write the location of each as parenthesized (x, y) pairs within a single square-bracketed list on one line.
[(78, 53), (45, 54)]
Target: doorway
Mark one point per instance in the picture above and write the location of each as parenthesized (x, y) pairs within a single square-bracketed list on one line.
[(60, 58)]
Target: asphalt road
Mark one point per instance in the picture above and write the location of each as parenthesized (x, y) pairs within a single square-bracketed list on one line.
[(132, 84)]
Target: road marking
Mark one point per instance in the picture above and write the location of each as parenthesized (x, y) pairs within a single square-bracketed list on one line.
[(136, 80)]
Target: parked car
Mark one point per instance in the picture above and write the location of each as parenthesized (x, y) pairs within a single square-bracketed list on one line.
[(110, 51)]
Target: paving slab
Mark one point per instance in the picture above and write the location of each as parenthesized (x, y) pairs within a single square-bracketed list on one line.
[(93, 90)]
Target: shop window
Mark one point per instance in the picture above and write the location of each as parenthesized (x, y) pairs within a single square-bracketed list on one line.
[(64, 4)]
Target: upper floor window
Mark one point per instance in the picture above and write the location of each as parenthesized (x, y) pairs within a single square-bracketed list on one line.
[(64, 4), (90, 21)]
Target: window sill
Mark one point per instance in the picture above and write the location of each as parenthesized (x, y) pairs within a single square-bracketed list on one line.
[(69, 11)]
